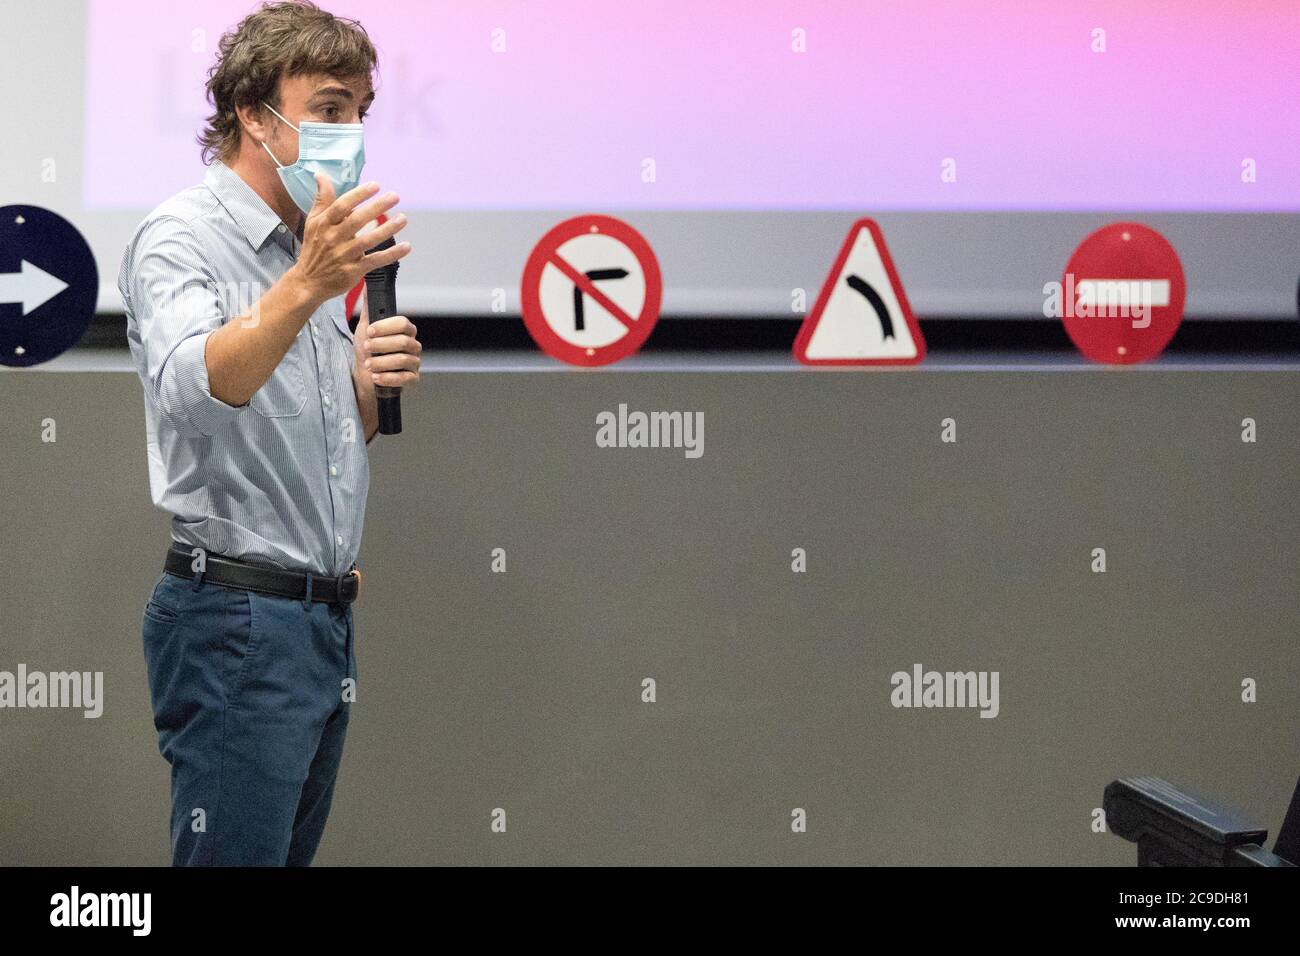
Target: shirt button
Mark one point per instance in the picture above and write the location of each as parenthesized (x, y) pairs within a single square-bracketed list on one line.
[(333, 470), (339, 540), (281, 228), (313, 328), (326, 399)]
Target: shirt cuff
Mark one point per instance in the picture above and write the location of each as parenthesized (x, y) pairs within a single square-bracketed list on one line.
[(186, 393)]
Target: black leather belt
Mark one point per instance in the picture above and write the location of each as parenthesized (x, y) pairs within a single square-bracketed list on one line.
[(232, 573)]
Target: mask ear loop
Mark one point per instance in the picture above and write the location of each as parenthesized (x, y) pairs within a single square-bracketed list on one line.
[(279, 164), (286, 123)]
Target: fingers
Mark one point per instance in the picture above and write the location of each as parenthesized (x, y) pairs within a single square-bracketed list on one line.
[(334, 255), (392, 347), (377, 235), (395, 346), (377, 260), (339, 209), (393, 362), (324, 194), (370, 211), (396, 379), (396, 325), (394, 359)]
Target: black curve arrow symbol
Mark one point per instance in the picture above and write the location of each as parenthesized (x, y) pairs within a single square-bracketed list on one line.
[(858, 284)]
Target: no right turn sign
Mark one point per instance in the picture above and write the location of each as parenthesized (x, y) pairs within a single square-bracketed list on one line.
[(591, 291)]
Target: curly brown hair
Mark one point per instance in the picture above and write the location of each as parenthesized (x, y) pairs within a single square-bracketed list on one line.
[(287, 38)]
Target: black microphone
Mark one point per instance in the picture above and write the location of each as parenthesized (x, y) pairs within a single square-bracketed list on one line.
[(381, 301)]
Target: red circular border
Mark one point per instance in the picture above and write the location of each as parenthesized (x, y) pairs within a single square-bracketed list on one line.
[(530, 292), (1100, 343)]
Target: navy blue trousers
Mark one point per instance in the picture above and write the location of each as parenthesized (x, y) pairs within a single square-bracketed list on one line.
[(250, 698)]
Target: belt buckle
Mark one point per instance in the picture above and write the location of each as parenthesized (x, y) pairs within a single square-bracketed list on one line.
[(348, 586)]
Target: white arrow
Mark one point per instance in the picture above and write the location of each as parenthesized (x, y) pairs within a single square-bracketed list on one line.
[(33, 287)]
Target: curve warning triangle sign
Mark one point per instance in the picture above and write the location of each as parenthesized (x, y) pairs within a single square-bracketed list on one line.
[(861, 316)]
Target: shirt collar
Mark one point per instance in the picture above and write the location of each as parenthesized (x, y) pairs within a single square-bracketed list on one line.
[(255, 218)]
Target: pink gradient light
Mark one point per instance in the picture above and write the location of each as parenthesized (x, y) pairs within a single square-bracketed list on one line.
[(587, 91)]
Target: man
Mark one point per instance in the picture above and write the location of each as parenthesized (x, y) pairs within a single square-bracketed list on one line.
[(259, 404)]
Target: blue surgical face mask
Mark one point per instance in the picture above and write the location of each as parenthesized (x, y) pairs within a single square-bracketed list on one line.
[(336, 149)]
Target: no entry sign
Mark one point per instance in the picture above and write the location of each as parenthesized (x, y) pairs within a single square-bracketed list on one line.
[(591, 291), (1123, 293)]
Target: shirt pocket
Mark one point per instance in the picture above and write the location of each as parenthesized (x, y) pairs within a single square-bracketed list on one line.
[(285, 393)]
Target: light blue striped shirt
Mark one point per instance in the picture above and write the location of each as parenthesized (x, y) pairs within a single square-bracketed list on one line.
[(282, 480)]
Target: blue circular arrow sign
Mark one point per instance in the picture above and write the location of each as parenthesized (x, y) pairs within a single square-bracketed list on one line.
[(48, 285)]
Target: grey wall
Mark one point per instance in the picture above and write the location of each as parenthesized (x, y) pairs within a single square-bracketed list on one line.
[(521, 690), (714, 263)]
